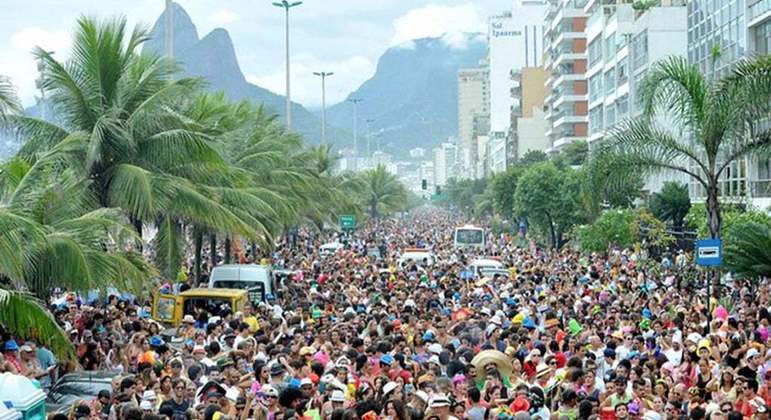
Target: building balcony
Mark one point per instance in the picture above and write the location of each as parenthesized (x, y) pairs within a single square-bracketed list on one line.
[(566, 36), (567, 57), (565, 140), (570, 97), (570, 77), (565, 13), (570, 119)]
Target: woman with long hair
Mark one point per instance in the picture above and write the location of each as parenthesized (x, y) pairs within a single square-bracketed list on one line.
[(394, 410)]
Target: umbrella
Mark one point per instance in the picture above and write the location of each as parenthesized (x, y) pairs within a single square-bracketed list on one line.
[(495, 357)]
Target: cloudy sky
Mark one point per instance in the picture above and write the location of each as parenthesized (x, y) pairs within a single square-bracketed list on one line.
[(346, 37)]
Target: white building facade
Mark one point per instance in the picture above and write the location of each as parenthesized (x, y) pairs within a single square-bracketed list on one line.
[(740, 28)]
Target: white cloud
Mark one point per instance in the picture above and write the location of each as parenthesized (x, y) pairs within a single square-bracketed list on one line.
[(224, 16), (437, 20), (18, 62), (350, 73)]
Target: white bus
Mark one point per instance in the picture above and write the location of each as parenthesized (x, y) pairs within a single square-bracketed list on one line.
[(469, 236)]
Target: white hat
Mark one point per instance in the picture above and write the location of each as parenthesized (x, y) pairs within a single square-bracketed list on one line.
[(751, 353), (232, 394), (434, 359), (145, 405), (188, 319), (199, 348), (149, 395), (269, 391), (306, 381), (435, 348), (409, 302), (422, 395), (338, 396), (389, 387), (693, 337), (440, 400)]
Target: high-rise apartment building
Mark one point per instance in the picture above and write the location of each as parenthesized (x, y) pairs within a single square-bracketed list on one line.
[(528, 121), (515, 41), (565, 58), (720, 32), (473, 110), (445, 159), (622, 44)]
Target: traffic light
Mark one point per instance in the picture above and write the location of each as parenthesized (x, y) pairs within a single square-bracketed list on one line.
[(424, 184)]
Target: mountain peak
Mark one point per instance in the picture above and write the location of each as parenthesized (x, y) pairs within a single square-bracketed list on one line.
[(185, 32)]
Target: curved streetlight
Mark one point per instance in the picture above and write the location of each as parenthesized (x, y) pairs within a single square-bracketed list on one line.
[(284, 4)]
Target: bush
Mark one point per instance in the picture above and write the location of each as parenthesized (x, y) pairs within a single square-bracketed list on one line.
[(613, 227)]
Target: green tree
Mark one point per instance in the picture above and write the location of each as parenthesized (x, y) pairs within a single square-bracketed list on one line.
[(9, 102), (671, 204), (573, 154), (549, 198), (382, 192), (599, 190), (613, 227), (532, 157), (748, 252), (463, 193), (720, 119), (503, 186)]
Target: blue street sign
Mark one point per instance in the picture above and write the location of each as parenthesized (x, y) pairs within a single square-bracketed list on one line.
[(709, 252)]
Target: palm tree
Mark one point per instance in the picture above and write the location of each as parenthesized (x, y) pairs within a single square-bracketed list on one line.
[(125, 129), (715, 123), (671, 204), (9, 103), (748, 255), (381, 192), (52, 233)]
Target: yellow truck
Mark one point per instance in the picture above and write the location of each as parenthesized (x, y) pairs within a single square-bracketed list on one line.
[(170, 308)]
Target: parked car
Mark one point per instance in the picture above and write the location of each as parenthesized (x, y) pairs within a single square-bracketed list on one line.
[(74, 387)]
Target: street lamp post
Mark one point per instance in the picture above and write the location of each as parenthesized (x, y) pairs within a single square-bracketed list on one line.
[(284, 4), (355, 102), (369, 133), (324, 75)]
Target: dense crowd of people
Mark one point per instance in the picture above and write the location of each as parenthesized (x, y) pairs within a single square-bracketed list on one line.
[(354, 335)]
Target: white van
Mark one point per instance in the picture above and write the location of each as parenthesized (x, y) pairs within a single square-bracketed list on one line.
[(420, 256), (256, 279), (485, 265), (330, 248)]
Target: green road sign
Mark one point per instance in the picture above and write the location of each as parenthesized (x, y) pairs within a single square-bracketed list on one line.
[(348, 221)]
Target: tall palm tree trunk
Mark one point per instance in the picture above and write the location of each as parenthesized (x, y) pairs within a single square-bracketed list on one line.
[(213, 249), (714, 218), (227, 250), (198, 238)]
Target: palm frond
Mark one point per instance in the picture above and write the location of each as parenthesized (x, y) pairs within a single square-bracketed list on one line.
[(25, 316)]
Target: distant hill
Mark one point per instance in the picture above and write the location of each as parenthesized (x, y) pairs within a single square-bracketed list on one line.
[(214, 59), (413, 95)]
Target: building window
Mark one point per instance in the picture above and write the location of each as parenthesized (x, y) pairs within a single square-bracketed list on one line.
[(595, 87), (595, 120), (764, 169), (623, 71), (595, 51), (610, 115), (640, 49), (622, 107), (610, 81), (610, 47)]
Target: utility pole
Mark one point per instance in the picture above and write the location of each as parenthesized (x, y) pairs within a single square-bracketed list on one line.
[(284, 4), (324, 75), (355, 102), (168, 33)]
